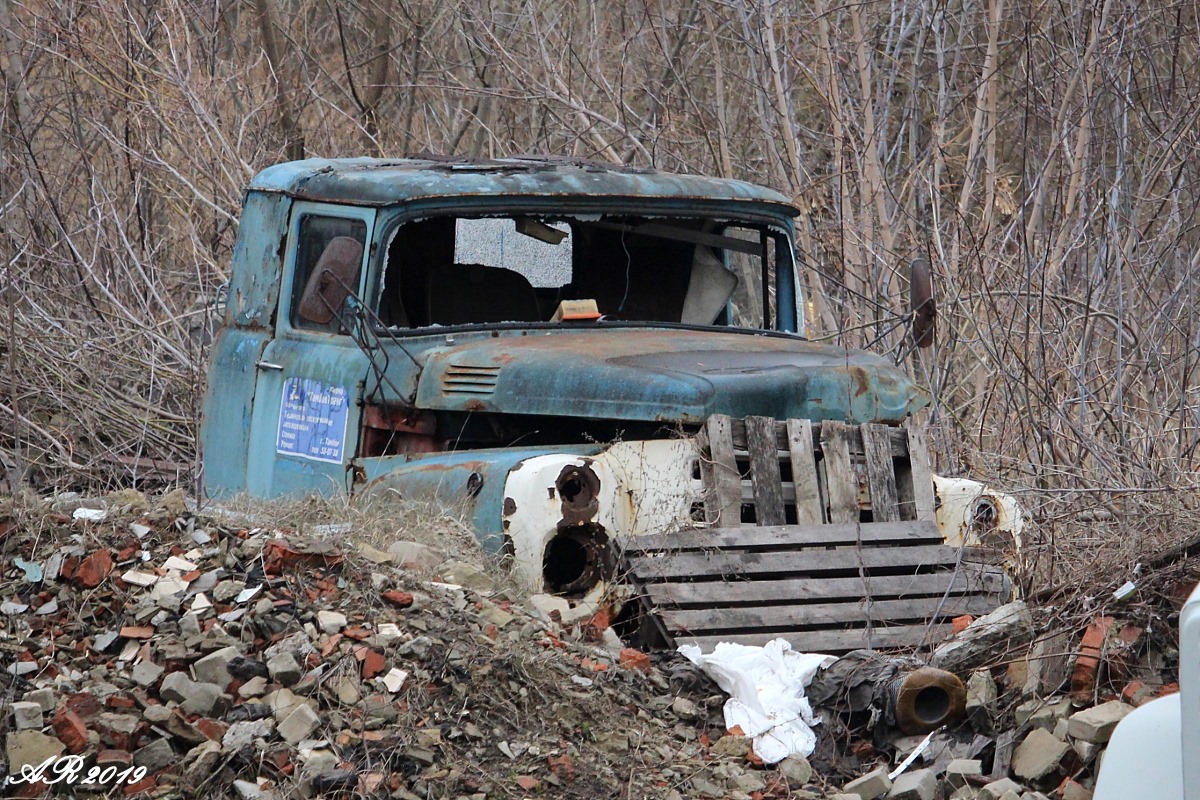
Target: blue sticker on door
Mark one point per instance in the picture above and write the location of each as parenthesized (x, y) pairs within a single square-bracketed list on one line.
[(312, 420)]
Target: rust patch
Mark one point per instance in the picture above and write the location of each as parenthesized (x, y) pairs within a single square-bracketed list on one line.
[(510, 507), (862, 382), (579, 488), (576, 559)]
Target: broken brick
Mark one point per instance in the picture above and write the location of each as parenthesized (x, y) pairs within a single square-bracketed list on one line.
[(114, 758), (117, 730), (373, 664), (137, 631), (1072, 790), (1137, 693), (1087, 665), (211, 728), (562, 766), (84, 704), (1129, 634), (398, 598), (634, 659), (141, 787), (94, 569), (601, 619), (70, 730), (67, 571), (280, 554)]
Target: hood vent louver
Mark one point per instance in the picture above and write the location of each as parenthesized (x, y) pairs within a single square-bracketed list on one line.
[(461, 379)]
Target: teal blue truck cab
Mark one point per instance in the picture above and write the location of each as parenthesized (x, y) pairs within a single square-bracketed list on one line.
[(521, 340)]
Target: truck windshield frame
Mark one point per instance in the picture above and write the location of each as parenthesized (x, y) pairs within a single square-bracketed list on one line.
[(616, 246)]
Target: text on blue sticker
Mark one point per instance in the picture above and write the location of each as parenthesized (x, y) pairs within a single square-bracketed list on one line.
[(312, 420)]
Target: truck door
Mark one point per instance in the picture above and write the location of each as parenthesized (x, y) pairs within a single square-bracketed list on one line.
[(305, 421)]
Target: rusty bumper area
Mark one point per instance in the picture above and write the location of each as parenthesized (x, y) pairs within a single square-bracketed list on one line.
[(579, 556)]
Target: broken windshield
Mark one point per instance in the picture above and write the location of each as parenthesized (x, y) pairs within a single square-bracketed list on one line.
[(526, 269)]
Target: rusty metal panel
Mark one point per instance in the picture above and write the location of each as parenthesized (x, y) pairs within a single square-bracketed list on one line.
[(331, 362), (661, 375), (257, 260), (468, 484), (228, 406), (378, 182)]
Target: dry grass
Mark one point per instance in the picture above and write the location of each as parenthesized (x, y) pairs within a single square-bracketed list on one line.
[(376, 521)]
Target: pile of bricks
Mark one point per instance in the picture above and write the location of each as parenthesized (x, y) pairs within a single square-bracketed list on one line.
[(148, 651)]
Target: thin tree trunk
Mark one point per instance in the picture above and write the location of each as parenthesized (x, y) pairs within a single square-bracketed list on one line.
[(293, 136)]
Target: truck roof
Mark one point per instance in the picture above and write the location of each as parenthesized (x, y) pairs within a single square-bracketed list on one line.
[(376, 182)]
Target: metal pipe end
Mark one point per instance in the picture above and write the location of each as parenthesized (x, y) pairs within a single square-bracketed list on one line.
[(929, 698)]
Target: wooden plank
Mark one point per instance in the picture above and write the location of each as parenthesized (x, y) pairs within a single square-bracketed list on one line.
[(784, 536), (881, 477), (727, 481), (764, 470), (841, 483), (897, 436), (716, 564), (717, 593), (707, 479), (805, 486), (920, 477), (830, 641), (823, 614)]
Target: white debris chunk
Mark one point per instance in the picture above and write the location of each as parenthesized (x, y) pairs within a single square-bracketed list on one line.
[(138, 578), (181, 564)]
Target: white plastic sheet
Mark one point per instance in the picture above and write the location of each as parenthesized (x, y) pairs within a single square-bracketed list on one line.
[(766, 687)]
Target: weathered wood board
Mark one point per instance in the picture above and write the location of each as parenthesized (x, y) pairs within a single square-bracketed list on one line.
[(821, 533)]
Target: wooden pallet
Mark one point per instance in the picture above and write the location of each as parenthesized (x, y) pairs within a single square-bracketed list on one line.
[(764, 472), (821, 533)]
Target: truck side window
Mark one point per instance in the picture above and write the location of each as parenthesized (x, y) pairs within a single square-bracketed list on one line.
[(318, 233)]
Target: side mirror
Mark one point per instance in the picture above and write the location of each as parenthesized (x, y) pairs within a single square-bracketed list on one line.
[(921, 306), (331, 281)]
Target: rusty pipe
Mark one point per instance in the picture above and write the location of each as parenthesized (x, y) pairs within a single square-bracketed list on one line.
[(926, 699)]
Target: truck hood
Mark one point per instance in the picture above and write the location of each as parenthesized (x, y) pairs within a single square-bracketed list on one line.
[(665, 375)]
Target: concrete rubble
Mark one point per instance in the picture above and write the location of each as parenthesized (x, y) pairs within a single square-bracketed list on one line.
[(1041, 706), (255, 662)]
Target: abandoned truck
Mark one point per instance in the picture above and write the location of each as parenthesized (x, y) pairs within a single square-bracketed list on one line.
[(531, 342)]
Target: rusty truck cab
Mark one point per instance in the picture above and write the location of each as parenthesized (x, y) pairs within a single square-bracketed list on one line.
[(527, 341)]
